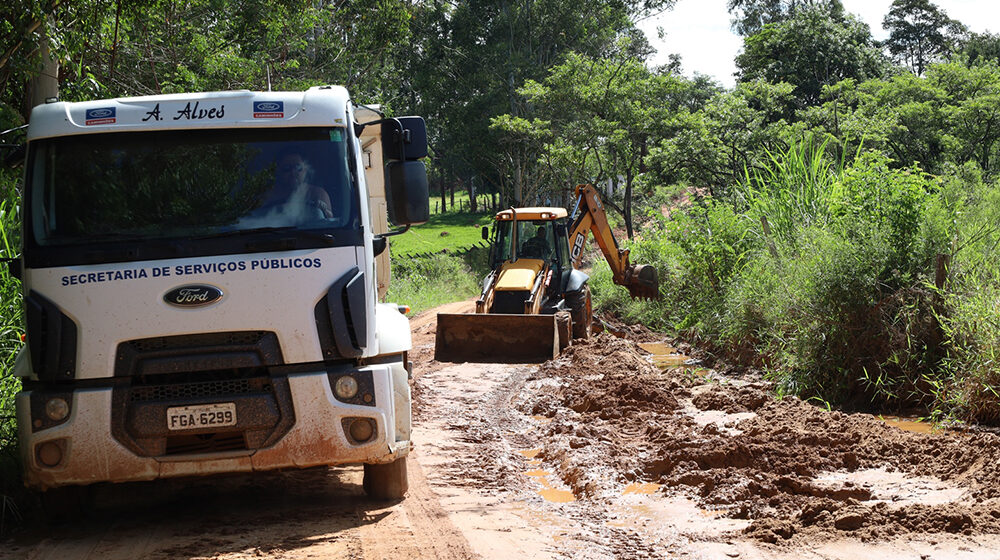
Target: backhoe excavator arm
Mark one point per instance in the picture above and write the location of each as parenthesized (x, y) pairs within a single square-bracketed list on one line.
[(589, 216)]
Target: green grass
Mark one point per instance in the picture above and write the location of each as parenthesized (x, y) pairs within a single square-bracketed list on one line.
[(12, 493), (443, 231), (427, 282)]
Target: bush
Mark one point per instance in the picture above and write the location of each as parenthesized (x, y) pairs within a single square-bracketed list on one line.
[(823, 275), (11, 328), (426, 282)]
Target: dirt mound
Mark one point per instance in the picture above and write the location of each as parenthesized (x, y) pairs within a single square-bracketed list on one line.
[(787, 467), (742, 399), (612, 325)]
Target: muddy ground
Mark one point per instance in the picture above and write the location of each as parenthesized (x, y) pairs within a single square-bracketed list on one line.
[(599, 454)]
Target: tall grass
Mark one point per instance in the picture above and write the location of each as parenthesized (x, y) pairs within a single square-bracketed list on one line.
[(11, 329), (790, 193), (426, 282), (822, 274)]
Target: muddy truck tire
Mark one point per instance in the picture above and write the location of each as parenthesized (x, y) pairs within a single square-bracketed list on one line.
[(65, 504), (386, 482), (581, 310)]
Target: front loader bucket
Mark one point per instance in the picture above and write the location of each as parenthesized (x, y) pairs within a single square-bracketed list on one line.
[(642, 281), (496, 337)]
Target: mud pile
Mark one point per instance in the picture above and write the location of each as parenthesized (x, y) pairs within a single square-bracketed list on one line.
[(788, 467)]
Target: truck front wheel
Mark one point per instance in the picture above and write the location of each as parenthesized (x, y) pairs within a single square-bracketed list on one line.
[(386, 482)]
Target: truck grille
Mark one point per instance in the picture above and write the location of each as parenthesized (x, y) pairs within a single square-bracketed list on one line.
[(144, 393)]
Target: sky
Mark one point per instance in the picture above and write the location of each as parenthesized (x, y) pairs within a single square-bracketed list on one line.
[(699, 30)]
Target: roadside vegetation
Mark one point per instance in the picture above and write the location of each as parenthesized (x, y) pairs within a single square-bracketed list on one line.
[(852, 281), (11, 329)]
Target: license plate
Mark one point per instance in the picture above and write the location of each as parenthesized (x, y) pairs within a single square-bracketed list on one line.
[(201, 416)]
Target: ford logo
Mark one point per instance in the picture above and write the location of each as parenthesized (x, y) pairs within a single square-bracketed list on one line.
[(100, 113), (193, 295), (268, 106)]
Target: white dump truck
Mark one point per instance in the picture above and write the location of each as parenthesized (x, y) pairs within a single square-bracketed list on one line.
[(202, 276)]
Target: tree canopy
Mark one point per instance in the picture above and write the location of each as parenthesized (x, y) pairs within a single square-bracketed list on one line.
[(809, 50), (919, 33)]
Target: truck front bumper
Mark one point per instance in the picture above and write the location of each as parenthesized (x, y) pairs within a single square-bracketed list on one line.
[(84, 450)]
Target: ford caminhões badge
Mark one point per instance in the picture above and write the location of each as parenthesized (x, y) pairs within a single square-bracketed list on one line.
[(193, 295)]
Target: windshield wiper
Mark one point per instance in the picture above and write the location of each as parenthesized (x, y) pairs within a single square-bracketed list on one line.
[(243, 232), (285, 242)]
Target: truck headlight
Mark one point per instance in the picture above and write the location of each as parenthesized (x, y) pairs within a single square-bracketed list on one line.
[(56, 409), (346, 387)]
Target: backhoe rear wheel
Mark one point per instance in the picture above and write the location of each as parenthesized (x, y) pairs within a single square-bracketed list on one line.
[(387, 481), (581, 310)]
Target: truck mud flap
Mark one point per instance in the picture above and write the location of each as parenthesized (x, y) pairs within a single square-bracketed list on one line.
[(496, 338)]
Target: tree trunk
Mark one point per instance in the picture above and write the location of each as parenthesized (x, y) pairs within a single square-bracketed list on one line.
[(444, 203), (45, 84), (473, 203)]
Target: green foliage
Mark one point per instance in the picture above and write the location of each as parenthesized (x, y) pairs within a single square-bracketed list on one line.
[(443, 232), (981, 48), (817, 271), (750, 16), (919, 33), (423, 283), (809, 50), (11, 329)]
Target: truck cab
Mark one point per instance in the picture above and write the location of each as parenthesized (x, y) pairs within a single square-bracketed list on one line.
[(202, 278)]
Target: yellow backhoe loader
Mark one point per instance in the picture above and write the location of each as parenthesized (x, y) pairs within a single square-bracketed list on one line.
[(536, 299)]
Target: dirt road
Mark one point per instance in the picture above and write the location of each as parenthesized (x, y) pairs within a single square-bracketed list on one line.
[(599, 454)]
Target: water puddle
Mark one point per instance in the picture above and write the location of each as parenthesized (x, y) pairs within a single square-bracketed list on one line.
[(641, 488), (909, 424), (529, 453), (674, 513), (665, 356), (896, 488), (557, 496), (547, 491)]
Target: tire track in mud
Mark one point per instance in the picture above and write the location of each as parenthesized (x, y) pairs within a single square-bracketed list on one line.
[(777, 477)]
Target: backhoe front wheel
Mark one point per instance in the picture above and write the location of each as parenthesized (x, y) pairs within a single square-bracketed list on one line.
[(581, 310), (387, 481)]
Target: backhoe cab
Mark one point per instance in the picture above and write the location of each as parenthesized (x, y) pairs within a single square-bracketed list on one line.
[(536, 299)]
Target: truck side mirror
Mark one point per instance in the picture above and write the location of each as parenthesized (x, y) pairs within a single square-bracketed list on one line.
[(404, 141), (486, 232), (406, 193), (404, 138)]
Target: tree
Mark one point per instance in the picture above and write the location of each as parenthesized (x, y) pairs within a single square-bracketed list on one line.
[(468, 60), (750, 16), (919, 33), (115, 48), (600, 114), (981, 48), (713, 146), (809, 50)]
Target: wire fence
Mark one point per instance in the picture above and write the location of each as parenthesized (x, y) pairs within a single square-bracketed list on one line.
[(459, 252)]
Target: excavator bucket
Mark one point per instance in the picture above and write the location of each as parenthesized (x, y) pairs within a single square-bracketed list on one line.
[(642, 281), (496, 337)]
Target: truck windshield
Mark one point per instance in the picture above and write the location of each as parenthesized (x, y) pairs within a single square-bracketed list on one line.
[(176, 184)]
